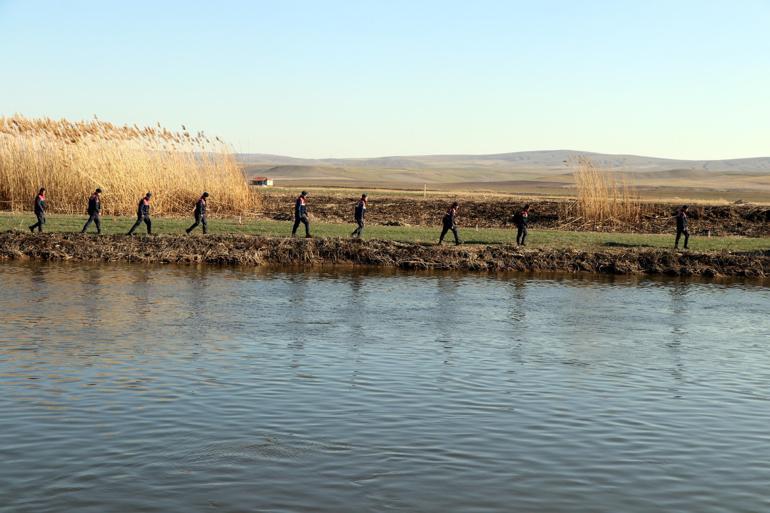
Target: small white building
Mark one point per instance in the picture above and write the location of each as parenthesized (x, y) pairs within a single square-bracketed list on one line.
[(261, 181)]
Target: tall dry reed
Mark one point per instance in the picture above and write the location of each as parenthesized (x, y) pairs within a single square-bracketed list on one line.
[(71, 159), (602, 197)]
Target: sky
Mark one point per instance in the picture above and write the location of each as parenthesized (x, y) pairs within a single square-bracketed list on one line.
[(364, 78)]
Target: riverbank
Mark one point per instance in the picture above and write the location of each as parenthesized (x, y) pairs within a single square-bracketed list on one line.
[(254, 251), (538, 238)]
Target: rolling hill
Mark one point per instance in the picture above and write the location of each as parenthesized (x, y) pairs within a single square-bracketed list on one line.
[(538, 172)]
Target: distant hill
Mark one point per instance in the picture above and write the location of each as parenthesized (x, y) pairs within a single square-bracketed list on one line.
[(530, 172), (546, 162)]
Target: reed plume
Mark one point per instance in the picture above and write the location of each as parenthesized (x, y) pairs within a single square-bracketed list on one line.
[(72, 158), (602, 197)]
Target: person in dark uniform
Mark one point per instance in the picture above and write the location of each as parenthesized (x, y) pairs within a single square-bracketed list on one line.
[(200, 214), (300, 215), (681, 227), (359, 214), (39, 211), (143, 214), (522, 220), (449, 222), (94, 212)]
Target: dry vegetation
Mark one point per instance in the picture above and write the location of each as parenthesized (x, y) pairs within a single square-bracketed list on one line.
[(243, 250), (71, 159), (602, 198)]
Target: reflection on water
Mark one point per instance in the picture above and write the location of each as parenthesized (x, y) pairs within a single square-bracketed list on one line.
[(134, 388)]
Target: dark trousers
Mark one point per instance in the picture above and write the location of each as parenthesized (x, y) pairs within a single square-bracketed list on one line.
[(304, 221), (679, 233), (40, 222), (446, 228), (202, 221), (521, 235), (93, 218), (139, 220), (357, 232)]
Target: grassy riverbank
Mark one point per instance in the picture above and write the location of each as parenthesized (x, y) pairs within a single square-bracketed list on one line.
[(419, 234), (246, 250)]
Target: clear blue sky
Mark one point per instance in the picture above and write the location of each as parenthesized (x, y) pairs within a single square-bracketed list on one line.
[(676, 78)]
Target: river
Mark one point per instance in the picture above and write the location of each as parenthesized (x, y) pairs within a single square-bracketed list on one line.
[(146, 389)]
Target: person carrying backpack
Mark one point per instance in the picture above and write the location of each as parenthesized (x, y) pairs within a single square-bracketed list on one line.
[(200, 214), (521, 219), (94, 212), (300, 215), (39, 207), (681, 227), (359, 214), (143, 214), (449, 222)]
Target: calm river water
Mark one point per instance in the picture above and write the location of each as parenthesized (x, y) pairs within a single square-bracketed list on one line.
[(146, 389)]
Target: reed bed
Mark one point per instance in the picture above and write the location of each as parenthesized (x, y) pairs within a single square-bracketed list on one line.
[(72, 158), (602, 197)]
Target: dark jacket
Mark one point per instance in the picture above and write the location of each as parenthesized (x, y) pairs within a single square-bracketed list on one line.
[(681, 220), (200, 207), (521, 219), (449, 217), (300, 210), (360, 209), (94, 205), (143, 209), (40, 204)]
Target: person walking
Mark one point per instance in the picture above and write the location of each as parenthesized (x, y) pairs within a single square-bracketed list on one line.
[(143, 214), (681, 227), (39, 208), (522, 220), (450, 223), (94, 212), (359, 214), (300, 214), (200, 214)]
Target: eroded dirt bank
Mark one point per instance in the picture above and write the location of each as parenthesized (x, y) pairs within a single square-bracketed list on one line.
[(745, 220), (247, 250)]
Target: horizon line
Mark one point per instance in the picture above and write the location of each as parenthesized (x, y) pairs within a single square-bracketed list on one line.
[(420, 155)]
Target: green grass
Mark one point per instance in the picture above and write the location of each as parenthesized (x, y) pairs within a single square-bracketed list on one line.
[(537, 238)]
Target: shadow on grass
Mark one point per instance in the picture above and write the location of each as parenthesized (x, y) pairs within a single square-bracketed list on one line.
[(476, 242), (612, 244)]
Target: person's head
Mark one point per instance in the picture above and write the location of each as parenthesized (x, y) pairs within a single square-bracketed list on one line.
[(98, 191), (41, 191), (684, 208), (363, 196), (148, 195), (455, 204), (303, 193), (526, 208), (205, 194)]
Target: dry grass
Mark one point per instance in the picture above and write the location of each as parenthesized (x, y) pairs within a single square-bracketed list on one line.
[(253, 251), (71, 159), (602, 198)]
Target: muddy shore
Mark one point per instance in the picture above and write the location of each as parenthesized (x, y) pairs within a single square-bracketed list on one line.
[(254, 251), (743, 220)]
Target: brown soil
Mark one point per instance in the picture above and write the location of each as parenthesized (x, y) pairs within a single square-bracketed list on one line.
[(246, 250), (745, 220)]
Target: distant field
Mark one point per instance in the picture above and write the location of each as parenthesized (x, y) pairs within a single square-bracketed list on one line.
[(477, 191), (723, 189), (538, 238), (537, 174)]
